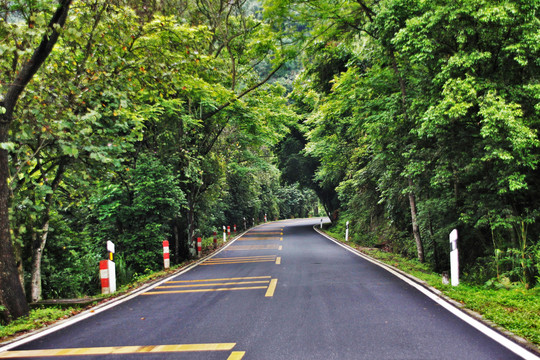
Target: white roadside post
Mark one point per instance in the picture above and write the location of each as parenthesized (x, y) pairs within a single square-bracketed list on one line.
[(112, 267), (454, 258), (321, 223), (224, 234), (347, 232), (107, 271)]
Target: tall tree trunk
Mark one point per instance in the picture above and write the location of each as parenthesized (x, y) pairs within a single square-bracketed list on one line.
[(37, 255), (40, 241), (11, 292), (412, 198), (191, 219), (416, 230), (12, 296)]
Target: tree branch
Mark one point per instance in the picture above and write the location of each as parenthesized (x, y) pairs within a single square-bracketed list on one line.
[(242, 94), (38, 58)]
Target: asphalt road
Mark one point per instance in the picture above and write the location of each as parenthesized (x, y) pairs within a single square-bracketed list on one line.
[(281, 291)]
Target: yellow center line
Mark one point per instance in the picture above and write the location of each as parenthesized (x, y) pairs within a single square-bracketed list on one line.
[(236, 355), (205, 290), (265, 238), (251, 247), (223, 279), (236, 262), (262, 233), (241, 258), (212, 284), (271, 288), (119, 350), (278, 260)]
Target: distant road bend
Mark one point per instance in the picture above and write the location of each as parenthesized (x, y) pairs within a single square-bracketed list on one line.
[(280, 291)]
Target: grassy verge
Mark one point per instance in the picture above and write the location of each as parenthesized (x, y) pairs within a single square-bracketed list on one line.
[(514, 309)]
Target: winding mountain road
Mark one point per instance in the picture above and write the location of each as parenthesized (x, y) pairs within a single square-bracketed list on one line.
[(281, 291)]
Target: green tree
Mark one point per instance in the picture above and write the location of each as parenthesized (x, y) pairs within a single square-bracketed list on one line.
[(23, 68), (90, 122), (135, 210)]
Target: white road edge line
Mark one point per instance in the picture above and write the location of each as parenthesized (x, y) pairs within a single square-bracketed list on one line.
[(96, 310), (483, 328)]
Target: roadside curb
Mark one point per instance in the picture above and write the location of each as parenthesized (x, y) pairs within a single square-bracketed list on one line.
[(532, 348)]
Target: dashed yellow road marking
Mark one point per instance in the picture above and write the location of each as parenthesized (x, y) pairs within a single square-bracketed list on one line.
[(212, 284), (278, 260), (204, 290), (222, 279), (224, 284), (271, 288), (277, 232), (239, 260), (262, 238), (251, 247), (119, 350), (236, 355)]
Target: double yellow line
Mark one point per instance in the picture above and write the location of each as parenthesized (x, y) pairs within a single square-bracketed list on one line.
[(190, 286), (262, 238), (240, 260), (252, 247)]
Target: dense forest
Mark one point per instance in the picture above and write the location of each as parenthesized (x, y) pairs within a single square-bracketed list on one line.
[(138, 121)]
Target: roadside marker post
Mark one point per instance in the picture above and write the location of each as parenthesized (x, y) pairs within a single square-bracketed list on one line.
[(265, 218), (321, 223), (110, 249), (234, 229), (224, 234), (107, 271), (347, 232), (166, 258), (228, 231), (199, 246), (454, 258), (215, 239), (245, 225)]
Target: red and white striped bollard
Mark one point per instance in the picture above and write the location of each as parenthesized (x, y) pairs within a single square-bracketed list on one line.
[(107, 273), (166, 255)]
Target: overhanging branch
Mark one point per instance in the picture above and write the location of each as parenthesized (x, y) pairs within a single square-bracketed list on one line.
[(38, 58), (241, 95)]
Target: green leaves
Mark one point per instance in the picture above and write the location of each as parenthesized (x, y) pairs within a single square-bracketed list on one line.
[(441, 94)]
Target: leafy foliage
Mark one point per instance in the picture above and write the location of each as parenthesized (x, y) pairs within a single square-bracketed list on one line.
[(421, 113)]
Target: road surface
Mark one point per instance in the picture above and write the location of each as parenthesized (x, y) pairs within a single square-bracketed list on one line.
[(281, 291)]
